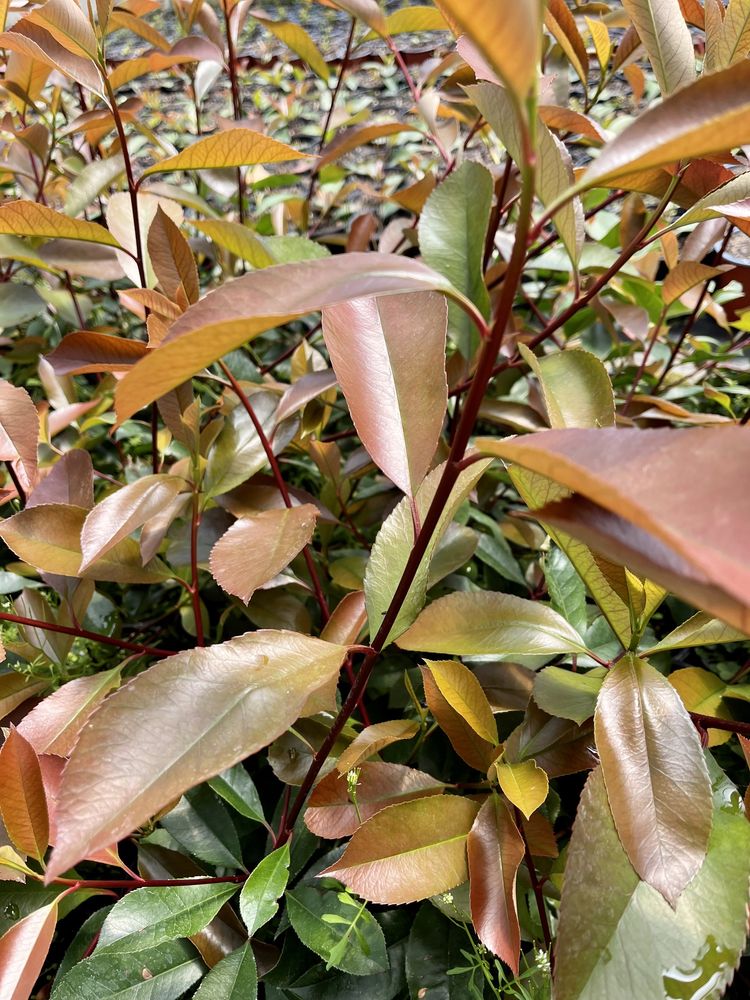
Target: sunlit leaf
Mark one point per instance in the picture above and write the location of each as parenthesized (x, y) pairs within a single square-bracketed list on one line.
[(524, 783), (576, 388), (373, 739), (700, 630), (662, 29), (23, 803), (236, 147), (27, 218)]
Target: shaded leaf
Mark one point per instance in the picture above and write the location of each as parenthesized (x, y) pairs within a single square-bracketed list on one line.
[(183, 721), (236, 787), (19, 432), (373, 739), (233, 978), (298, 40), (23, 803), (566, 694), (562, 25), (261, 892), (657, 783), (468, 744), (172, 260), (84, 351), (558, 746)]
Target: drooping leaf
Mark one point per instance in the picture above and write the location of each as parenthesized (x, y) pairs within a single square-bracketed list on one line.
[(48, 537), (684, 276), (657, 783), (495, 850), (662, 29), (394, 542), (28, 218), (700, 630), (633, 515), (331, 811), (373, 739), (263, 888), (508, 36), (149, 917), (54, 724), (273, 536), (524, 783), (452, 233), (121, 513), (474, 623), (85, 351), (242, 309), (409, 851), (233, 978), (566, 694), (338, 928), (236, 147), (23, 951), (182, 721), (23, 803), (635, 944)]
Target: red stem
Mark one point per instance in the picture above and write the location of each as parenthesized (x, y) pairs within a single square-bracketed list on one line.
[(82, 633)]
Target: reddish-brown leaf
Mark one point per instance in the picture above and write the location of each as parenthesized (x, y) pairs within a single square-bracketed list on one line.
[(19, 432), (83, 351), (347, 620), (23, 949), (331, 812), (22, 801), (69, 481), (409, 851), (373, 739), (495, 849), (172, 260)]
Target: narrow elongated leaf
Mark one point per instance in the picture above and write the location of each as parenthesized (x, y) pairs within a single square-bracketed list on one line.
[(662, 29), (152, 916), (636, 944), (733, 42), (409, 851), (172, 260), (452, 233), (185, 720), (331, 812), (235, 147), (242, 309), (639, 518), (165, 972), (121, 513), (373, 739), (273, 536), (576, 388), (700, 630), (352, 138), (27, 218), (48, 537), (495, 849), (261, 892), (464, 624), (23, 803), (389, 359), (524, 783), (508, 35), (236, 787), (234, 978), (298, 40), (19, 432), (37, 44), (477, 751), (54, 724), (84, 351), (394, 542), (23, 950), (708, 116), (562, 25), (657, 783)]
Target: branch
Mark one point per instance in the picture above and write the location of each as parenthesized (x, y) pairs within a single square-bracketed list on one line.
[(82, 633)]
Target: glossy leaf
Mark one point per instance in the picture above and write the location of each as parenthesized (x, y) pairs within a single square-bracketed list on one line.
[(474, 623), (236, 787), (233, 978), (576, 388), (84, 351), (409, 851), (331, 812), (656, 778), (23, 803), (263, 888), (495, 850), (635, 944), (240, 310), (388, 356), (19, 432), (703, 692), (23, 951), (463, 692), (558, 746), (27, 218), (172, 260), (662, 29), (524, 783), (566, 694), (249, 690), (561, 23), (273, 536), (700, 630), (149, 917), (477, 751), (373, 739), (236, 147)]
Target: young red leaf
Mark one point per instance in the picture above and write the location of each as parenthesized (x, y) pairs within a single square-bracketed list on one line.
[(332, 813), (373, 739), (408, 851), (657, 783), (389, 358), (495, 849), (274, 537), (84, 351), (182, 721), (69, 481), (172, 260), (23, 804), (19, 432), (23, 949)]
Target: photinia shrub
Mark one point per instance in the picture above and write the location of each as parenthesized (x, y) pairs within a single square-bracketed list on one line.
[(376, 587)]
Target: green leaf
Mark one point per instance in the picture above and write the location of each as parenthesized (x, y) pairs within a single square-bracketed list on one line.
[(656, 778), (394, 542), (165, 972), (566, 694), (260, 893), (238, 452), (434, 948), (237, 788), (338, 928), (233, 978), (152, 916), (182, 721), (452, 233), (634, 943), (700, 630), (576, 388), (18, 304), (566, 588), (201, 824), (463, 624)]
